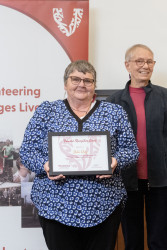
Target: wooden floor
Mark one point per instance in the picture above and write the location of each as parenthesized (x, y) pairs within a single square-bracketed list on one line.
[(120, 240)]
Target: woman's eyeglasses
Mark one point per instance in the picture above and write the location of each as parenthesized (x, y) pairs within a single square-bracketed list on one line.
[(141, 62), (76, 81)]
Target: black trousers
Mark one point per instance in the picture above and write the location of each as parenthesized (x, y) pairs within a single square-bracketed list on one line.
[(156, 218), (100, 237)]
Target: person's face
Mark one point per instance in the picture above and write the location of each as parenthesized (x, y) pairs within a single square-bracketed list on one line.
[(140, 74), (7, 142), (80, 92)]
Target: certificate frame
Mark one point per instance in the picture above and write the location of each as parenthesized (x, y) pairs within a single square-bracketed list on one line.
[(79, 153)]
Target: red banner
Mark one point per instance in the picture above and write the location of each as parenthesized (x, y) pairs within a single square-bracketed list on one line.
[(67, 21)]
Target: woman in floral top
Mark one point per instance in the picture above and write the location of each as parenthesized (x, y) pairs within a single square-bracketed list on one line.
[(79, 212)]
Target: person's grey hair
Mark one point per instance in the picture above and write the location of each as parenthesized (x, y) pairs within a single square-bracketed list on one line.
[(130, 51), (81, 66)]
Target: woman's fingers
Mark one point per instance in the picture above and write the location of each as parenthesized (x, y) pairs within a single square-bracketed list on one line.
[(103, 176), (57, 177), (113, 164)]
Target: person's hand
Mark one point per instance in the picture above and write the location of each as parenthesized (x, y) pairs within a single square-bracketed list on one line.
[(17, 179), (113, 166), (5, 156), (104, 176), (57, 177)]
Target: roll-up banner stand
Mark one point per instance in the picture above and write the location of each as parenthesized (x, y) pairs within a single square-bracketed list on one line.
[(38, 39)]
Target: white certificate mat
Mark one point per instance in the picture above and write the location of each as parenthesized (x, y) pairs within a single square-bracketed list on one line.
[(80, 153)]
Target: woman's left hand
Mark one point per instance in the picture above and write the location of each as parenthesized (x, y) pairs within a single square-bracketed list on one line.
[(54, 178), (113, 166)]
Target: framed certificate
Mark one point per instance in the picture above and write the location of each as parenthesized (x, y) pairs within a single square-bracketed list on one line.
[(79, 153)]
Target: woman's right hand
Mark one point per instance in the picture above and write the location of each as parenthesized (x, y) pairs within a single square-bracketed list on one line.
[(57, 177)]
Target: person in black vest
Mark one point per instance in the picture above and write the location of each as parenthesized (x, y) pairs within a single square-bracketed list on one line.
[(146, 106)]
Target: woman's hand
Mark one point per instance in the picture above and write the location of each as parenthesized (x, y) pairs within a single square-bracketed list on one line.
[(113, 166), (57, 177)]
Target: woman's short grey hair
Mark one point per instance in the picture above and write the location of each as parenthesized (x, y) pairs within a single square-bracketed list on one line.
[(130, 51), (81, 66)]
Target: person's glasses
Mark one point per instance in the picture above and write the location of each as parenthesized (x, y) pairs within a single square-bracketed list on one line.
[(76, 80), (141, 62)]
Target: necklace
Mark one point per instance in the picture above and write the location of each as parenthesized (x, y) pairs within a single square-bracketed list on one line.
[(82, 111)]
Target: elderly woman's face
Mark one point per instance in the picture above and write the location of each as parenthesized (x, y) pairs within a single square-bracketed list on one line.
[(80, 90), (140, 73)]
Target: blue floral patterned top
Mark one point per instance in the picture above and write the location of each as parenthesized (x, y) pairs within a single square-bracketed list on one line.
[(79, 201)]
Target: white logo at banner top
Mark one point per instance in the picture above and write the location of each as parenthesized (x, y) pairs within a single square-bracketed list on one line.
[(70, 29)]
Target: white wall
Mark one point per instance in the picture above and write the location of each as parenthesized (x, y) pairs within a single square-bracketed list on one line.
[(115, 25)]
